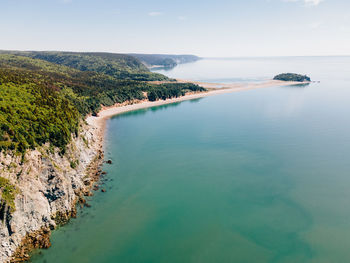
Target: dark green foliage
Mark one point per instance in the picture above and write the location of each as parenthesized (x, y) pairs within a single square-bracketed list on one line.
[(33, 111), (44, 102), (167, 61), (119, 66), (8, 193), (171, 90), (74, 164), (292, 77)]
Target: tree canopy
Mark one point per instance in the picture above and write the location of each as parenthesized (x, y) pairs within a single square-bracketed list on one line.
[(44, 95)]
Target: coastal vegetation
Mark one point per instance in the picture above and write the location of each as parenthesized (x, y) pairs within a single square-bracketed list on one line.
[(8, 193), (171, 90), (167, 61), (44, 95), (119, 66), (292, 77)]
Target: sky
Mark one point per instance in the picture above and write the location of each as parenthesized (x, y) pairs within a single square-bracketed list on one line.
[(220, 28)]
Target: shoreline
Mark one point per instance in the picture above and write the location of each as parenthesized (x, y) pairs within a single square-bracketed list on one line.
[(99, 122), (86, 173)]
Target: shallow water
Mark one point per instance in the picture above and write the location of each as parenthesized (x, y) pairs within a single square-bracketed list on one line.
[(255, 176)]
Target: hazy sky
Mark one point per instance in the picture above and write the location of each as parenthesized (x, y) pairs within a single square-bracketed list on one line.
[(203, 27)]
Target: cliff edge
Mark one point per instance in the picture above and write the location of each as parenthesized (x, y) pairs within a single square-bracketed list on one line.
[(47, 187)]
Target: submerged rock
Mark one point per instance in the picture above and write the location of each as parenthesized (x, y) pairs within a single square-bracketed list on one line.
[(33, 240)]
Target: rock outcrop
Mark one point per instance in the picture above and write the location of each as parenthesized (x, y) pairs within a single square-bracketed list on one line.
[(48, 187)]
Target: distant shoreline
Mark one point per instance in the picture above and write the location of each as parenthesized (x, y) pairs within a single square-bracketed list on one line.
[(99, 122)]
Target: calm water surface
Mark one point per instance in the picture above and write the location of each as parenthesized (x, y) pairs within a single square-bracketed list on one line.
[(254, 176)]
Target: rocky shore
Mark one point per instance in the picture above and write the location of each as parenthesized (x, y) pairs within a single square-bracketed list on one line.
[(48, 187)]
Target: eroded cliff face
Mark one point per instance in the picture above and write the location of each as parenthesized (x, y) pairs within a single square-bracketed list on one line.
[(49, 186)]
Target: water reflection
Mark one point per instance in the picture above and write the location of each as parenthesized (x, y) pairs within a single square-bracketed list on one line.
[(154, 109), (301, 85)]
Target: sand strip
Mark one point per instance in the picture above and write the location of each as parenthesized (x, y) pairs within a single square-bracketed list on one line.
[(214, 89)]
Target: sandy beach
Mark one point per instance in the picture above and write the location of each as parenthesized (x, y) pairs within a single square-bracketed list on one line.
[(213, 89)]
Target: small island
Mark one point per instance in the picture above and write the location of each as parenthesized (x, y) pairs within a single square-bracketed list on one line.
[(292, 77)]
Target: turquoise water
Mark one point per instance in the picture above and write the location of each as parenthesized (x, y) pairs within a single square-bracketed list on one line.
[(255, 176)]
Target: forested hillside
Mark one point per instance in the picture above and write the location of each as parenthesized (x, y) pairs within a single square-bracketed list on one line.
[(44, 95), (115, 65), (164, 60)]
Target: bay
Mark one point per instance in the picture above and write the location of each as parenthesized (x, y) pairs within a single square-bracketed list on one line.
[(254, 176)]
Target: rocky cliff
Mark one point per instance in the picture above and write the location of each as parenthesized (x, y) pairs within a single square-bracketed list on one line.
[(47, 188)]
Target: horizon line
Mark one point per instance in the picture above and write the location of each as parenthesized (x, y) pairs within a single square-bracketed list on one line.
[(179, 54)]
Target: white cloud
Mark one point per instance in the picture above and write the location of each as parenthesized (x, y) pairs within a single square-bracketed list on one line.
[(306, 2), (155, 13), (312, 2)]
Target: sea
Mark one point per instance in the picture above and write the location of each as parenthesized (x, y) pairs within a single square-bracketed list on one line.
[(248, 177)]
